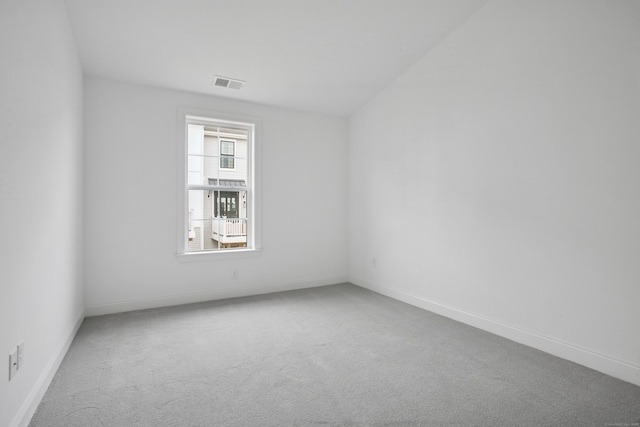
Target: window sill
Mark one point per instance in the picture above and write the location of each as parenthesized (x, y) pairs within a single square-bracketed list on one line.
[(220, 255)]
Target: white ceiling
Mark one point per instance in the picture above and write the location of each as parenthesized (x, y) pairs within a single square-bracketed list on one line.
[(325, 56)]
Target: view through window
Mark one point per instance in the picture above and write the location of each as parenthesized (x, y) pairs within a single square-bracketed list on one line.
[(218, 185)]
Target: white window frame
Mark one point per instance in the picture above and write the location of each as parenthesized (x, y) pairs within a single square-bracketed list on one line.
[(254, 242)]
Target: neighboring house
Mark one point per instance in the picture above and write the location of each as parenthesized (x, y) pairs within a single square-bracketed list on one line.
[(217, 217)]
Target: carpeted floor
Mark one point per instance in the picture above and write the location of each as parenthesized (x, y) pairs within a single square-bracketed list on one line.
[(332, 356)]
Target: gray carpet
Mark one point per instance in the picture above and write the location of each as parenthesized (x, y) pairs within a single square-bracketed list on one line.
[(332, 356)]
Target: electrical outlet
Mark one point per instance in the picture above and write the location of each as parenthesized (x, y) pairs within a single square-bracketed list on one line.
[(13, 363), (20, 354), (235, 274)]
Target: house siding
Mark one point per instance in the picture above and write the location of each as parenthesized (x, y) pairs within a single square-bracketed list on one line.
[(211, 148)]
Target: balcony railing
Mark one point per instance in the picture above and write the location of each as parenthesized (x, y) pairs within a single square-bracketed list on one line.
[(229, 231)]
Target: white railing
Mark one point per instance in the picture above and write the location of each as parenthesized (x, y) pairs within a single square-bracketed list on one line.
[(229, 230)]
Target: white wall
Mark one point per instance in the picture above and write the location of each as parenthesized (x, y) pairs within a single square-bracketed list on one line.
[(130, 183), (497, 181), (41, 298)]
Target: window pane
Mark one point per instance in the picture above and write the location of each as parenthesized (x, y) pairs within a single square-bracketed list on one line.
[(194, 170), (226, 147), (197, 236), (237, 173), (195, 138), (210, 167), (229, 233), (217, 220), (227, 162)]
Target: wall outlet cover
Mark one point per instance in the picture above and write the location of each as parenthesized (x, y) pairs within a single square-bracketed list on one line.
[(13, 363)]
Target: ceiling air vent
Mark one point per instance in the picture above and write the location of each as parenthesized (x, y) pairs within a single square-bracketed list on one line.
[(228, 82)]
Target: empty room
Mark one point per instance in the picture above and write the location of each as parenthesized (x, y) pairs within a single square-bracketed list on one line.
[(299, 213)]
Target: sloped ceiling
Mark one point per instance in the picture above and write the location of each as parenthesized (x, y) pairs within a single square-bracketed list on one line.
[(324, 56)]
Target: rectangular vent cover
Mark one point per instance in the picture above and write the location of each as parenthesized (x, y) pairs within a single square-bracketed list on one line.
[(228, 82)]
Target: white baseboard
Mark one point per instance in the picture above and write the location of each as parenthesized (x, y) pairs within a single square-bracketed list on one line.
[(188, 298), (29, 406), (608, 365)]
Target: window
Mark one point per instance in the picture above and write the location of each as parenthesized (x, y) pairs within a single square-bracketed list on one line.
[(219, 203), (227, 154)]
